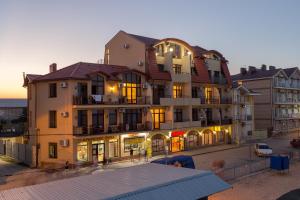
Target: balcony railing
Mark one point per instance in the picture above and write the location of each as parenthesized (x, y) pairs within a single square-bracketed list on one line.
[(108, 99), (98, 130), (226, 100), (226, 121)]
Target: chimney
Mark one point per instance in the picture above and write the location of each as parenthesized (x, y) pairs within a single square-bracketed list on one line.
[(243, 70), (52, 68), (272, 67), (263, 67), (251, 69)]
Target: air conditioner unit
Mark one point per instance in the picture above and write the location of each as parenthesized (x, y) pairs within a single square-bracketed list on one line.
[(63, 84), (65, 114), (145, 86), (64, 143), (140, 63), (126, 46)]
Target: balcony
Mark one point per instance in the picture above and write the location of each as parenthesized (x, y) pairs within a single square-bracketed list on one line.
[(181, 124), (167, 125), (210, 100), (96, 130), (181, 101), (226, 121), (109, 100), (219, 80), (198, 123), (226, 100), (182, 77), (213, 122)]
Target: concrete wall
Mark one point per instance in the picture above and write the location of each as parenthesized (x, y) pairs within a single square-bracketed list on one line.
[(118, 55)]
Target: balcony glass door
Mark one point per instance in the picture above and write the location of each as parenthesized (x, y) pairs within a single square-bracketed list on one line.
[(131, 118), (158, 116), (82, 93), (158, 92), (131, 87)]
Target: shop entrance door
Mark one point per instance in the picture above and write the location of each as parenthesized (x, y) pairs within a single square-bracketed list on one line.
[(177, 144), (98, 151)]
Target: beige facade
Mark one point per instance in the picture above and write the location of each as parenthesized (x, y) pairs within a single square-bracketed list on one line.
[(276, 109), (104, 111)]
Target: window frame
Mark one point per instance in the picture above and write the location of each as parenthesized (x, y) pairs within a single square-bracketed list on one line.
[(55, 152), (52, 87), (52, 122)]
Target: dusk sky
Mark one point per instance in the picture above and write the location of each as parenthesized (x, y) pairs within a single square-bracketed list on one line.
[(34, 34)]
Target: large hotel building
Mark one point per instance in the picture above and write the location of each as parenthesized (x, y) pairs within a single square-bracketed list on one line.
[(155, 95)]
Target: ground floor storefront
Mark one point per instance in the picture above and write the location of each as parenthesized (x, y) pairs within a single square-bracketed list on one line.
[(102, 148)]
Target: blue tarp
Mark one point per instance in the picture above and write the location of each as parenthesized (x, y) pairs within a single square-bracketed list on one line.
[(185, 161)]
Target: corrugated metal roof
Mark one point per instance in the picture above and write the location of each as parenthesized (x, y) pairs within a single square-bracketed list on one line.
[(149, 181)]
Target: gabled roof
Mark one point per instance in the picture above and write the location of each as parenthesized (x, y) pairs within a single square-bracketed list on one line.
[(83, 70), (146, 40), (290, 71), (256, 75)]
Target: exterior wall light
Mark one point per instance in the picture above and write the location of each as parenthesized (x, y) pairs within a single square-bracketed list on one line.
[(171, 49), (189, 53)]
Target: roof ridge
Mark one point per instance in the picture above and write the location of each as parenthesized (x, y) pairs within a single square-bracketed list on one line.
[(76, 68)]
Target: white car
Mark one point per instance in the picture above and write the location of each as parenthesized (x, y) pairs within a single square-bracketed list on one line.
[(262, 149)]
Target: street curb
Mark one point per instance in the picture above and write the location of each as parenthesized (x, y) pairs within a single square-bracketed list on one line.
[(236, 147)]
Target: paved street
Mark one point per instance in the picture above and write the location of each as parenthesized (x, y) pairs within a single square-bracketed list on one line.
[(14, 175)]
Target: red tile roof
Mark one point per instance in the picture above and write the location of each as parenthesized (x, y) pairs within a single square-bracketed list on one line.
[(83, 70), (202, 73), (225, 70), (152, 68)]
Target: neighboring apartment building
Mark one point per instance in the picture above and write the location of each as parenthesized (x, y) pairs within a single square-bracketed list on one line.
[(277, 108), (13, 129), (150, 94), (243, 113)]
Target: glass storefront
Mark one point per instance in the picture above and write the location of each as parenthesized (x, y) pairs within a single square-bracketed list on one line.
[(177, 144), (192, 139), (82, 151), (158, 144), (113, 148), (135, 143), (98, 149), (207, 137)]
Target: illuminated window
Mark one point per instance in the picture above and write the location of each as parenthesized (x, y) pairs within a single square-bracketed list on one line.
[(131, 87), (158, 116), (177, 91), (82, 151), (209, 95)]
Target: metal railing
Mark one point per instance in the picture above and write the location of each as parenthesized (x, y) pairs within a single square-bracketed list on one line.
[(250, 167), (83, 100)]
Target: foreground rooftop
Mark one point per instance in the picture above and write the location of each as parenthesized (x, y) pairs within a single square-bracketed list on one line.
[(149, 181)]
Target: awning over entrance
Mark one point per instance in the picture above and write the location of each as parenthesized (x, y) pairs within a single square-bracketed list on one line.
[(177, 133)]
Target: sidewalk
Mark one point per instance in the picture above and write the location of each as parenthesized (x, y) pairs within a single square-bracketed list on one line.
[(195, 152)]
